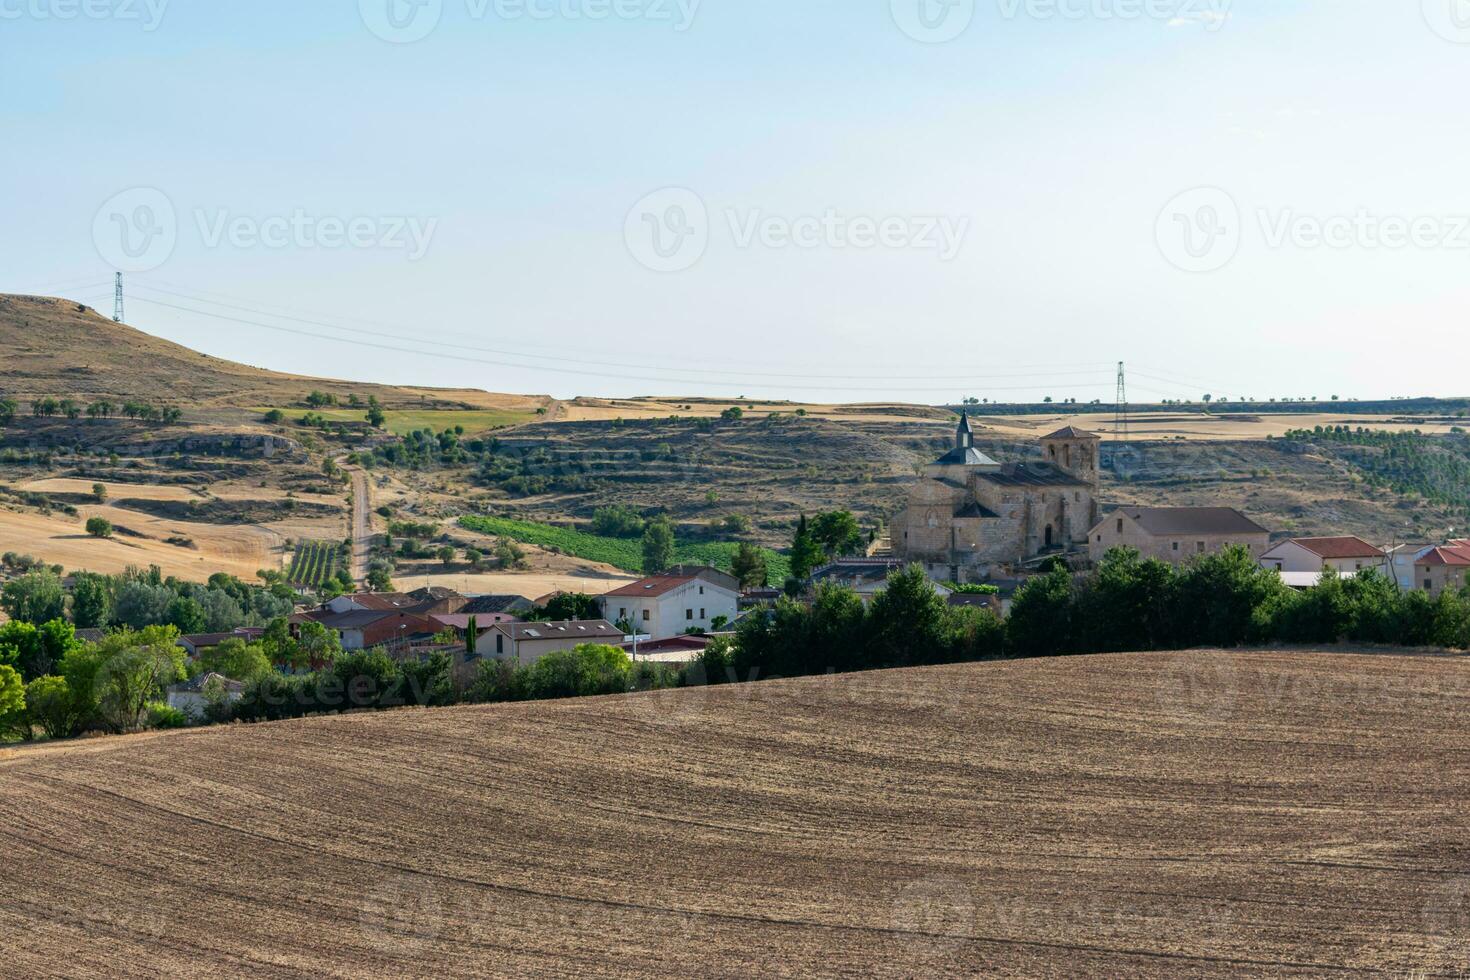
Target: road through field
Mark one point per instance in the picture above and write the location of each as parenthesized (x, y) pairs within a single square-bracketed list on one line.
[(362, 523), (1203, 814)]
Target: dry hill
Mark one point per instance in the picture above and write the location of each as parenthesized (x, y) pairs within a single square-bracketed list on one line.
[(1136, 815), (59, 348)]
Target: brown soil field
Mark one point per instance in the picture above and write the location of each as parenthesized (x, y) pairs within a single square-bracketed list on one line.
[(1297, 813)]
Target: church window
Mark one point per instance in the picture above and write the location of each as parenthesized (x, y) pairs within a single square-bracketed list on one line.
[(1176, 545), (1120, 525)]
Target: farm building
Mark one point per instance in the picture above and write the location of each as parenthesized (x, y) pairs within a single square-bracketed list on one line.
[(1177, 534), (526, 643), (1348, 555)]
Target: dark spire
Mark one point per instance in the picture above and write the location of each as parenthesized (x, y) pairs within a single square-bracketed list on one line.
[(964, 437)]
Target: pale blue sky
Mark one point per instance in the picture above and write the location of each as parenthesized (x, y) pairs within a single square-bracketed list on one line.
[(1054, 142)]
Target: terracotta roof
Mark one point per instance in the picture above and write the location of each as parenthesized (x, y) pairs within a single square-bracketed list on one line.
[(1455, 555), (1347, 547), (655, 586), (1072, 432), (1193, 520)]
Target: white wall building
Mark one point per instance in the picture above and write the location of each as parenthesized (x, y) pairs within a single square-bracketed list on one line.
[(673, 604), (1346, 556)]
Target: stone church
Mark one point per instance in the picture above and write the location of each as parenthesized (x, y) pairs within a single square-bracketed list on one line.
[(970, 517)]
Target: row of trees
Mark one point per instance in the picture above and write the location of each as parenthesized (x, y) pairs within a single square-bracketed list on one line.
[(1128, 604), (71, 408), (140, 598)]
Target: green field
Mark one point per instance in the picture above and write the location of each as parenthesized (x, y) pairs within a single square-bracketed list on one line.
[(401, 423), (624, 553), (315, 562)]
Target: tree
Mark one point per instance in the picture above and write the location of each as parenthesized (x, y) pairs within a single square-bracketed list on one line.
[(750, 567), (99, 492), (52, 707), (509, 553), (806, 551), (319, 646), (186, 615), (473, 558), (8, 409), (379, 579), (571, 607), (274, 417), (586, 670), (838, 533), (446, 555), (375, 415), (733, 414), (115, 680), (99, 527), (237, 660), (13, 718), (906, 620), (36, 597), (1040, 623), (658, 546)]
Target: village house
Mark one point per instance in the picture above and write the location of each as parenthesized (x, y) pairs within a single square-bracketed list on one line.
[(865, 576), (525, 643), (196, 643), (970, 516), (681, 600), (1443, 568), (192, 697), (1177, 534), (1301, 561)]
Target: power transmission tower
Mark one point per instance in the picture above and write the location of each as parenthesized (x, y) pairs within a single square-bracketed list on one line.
[(117, 301), (1120, 420)]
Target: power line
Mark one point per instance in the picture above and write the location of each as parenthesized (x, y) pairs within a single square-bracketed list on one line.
[(461, 358), (616, 364)]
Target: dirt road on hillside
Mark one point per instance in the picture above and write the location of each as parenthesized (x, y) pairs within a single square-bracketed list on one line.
[(362, 522)]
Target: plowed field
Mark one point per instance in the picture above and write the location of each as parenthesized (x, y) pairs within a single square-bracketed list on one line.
[(1285, 813)]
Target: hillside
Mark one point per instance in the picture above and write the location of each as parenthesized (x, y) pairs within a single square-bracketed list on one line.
[(59, 348), (1134, 815)]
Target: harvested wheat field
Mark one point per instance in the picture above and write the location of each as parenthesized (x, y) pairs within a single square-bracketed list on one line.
[(1285, 813)]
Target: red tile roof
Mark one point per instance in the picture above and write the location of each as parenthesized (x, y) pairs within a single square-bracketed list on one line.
[(1347, 547), (1456, 554), (656, 586)]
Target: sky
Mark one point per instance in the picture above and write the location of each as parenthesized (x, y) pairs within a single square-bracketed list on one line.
[(827, 200)]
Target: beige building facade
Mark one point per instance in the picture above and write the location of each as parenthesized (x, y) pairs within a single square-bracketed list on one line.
[(970, 516), (1177, 534)]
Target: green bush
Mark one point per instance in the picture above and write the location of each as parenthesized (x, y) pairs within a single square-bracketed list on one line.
[(161, 715)]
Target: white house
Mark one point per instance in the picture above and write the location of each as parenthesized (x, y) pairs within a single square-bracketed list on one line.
[(672, 604), (1346, 556)]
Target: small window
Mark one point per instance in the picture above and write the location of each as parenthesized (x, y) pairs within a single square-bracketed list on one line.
[(647, 615), (1280, 567), (1176, 545), (499, 642), (1428, 585), (702, 616), (689, 614), (1099, 539), (701, 590), (1120, 525), (1201, 547)]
